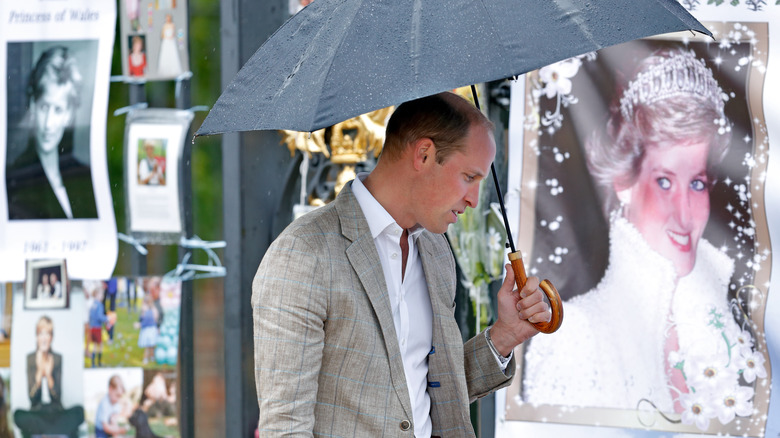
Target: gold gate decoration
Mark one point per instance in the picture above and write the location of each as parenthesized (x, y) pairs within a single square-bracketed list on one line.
[(348, 144)]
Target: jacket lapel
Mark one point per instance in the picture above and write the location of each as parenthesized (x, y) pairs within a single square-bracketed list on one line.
[(445, 370), (363, 257)]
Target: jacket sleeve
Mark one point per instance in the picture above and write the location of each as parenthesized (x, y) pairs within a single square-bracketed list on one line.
[(289, 305), (56, 374), (483, 373), (33, 389)]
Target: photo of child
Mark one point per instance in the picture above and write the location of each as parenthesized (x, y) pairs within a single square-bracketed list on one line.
[(112, 403), (151, 162), (97, 320), (144, 323), (147, 338)]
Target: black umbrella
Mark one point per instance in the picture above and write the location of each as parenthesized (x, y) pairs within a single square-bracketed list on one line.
[(337, 59)]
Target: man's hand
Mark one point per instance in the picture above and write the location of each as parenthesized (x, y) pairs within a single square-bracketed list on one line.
[(517, 312)]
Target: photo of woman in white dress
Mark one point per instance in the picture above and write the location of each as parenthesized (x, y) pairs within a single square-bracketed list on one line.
[(169, 64), (664, 327)]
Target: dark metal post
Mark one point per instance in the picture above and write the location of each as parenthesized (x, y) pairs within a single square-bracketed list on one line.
[(252, 180), (186, 325)]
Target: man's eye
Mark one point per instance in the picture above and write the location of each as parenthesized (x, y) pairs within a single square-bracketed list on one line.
[(664, 183)]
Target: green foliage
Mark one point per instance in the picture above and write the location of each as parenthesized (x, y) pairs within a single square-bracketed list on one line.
[(477, 241)]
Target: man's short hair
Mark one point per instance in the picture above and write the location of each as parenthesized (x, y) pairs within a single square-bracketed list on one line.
[(445, 118)]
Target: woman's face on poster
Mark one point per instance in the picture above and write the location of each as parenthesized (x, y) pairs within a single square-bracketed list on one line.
[(44, 337), (52, 115), (670, 202)]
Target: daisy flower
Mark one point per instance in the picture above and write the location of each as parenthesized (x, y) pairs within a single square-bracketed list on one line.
[(733, 401), (697, 409), (557, 77), (752, 366)]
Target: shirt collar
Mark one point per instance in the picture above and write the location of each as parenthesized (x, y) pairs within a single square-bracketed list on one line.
[(377, 217)]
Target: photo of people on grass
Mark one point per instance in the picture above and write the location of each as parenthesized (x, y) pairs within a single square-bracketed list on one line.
[(132, 322)]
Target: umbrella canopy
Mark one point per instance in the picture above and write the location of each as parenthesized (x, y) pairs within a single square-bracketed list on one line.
[(337, 59)]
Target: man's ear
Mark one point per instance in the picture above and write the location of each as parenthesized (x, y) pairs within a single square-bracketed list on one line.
[(424, 151)]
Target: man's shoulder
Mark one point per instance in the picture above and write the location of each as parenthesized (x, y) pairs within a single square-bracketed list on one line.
[(320, 219)]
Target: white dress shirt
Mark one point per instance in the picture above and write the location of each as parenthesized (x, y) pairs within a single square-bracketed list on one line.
[(409, 301)]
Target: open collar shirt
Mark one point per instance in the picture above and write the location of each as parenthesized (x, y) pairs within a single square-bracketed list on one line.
[(409, 300)]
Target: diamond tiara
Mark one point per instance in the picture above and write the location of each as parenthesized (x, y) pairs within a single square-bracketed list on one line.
[(681, 74)]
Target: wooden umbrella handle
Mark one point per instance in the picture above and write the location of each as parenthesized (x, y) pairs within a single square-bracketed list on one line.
[(556, 307)]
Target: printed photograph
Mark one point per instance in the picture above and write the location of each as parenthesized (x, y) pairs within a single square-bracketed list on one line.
[(47, 160), (156, 35), (645, 158), (46, 286), (6, 420), (132, 322), (46, 370), (151, 161), (132, 12), (55, 194), (154, 142), (136, 61), (158, 402), (112, 403), (6, 307)]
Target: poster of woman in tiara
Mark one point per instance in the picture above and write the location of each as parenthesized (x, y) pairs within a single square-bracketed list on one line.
[(644, 165)]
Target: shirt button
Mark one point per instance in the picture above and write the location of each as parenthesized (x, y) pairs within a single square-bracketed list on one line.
[(406, 425), (394, 256)]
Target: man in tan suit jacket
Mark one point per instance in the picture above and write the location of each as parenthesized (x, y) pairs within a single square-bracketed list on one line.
[(327, 355)]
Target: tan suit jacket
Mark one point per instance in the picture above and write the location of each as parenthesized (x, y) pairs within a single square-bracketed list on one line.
[(327, 361)]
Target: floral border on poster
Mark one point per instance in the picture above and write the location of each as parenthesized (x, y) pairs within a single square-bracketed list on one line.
[(554, 83)]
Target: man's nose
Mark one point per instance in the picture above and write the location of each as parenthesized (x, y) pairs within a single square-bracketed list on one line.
[(472, 196)]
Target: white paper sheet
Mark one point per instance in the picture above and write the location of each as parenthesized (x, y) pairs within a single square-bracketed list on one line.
[(85, 29)]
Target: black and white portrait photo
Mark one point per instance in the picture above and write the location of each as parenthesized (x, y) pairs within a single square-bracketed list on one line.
[(48, 172), (55, 198)]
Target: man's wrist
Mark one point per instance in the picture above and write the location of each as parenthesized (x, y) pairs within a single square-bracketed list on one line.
[(503, 359), (502, 341)]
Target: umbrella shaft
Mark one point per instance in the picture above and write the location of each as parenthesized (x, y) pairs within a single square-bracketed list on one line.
[(495, 181), (503, 208)]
